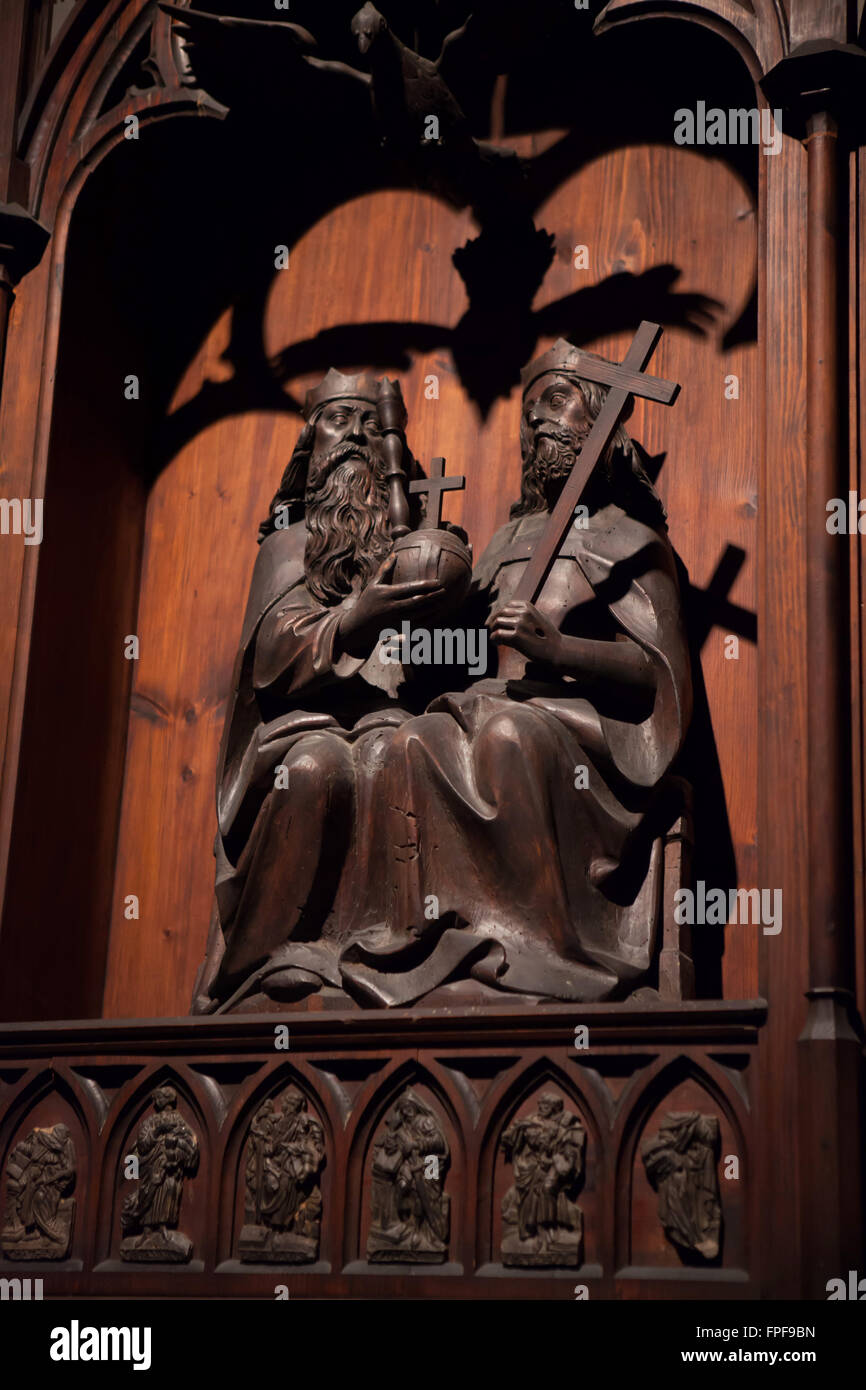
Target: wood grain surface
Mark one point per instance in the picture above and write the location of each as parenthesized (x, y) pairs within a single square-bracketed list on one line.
[(387, 257)]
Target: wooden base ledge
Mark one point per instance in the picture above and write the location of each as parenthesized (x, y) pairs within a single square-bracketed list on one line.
[(240, 1097)]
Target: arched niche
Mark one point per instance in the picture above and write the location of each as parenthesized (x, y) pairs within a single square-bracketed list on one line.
[(274, 1088), (679, 1089), (497, 1174), (163, 495), (195, 1220), (48, 1100), (369, 1128)]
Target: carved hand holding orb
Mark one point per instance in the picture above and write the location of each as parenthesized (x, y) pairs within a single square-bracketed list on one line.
[(40, 1175), (681, 1163), (167, 1152), (354, 792)]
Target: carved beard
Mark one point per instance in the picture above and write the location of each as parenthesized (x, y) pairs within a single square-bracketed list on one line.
[(347, 522), (547, 464), (550, 461), (553, 456)]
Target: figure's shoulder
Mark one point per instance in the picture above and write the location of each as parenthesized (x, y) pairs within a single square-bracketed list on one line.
[(614, 530), (496, 552), (613, 536), (279, 566)]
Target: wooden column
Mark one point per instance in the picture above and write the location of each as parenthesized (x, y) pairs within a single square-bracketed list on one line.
[(22, 239), (830, 1049)]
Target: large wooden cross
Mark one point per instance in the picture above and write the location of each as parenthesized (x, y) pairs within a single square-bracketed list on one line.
[(624, 381)]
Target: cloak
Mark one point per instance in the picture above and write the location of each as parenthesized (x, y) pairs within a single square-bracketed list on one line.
[(553, 931)]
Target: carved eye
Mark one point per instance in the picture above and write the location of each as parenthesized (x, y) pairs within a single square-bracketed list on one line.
[(558, 398)]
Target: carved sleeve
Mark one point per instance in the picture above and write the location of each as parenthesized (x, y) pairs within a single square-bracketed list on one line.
[(296, 650)]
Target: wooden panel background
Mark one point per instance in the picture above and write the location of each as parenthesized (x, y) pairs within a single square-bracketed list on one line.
[(387, 256)]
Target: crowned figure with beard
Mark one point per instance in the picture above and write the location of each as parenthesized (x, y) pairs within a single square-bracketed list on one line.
[(526, 809), (302, 863)]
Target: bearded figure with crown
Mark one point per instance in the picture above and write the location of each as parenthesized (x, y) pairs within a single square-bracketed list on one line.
[(381, 842)]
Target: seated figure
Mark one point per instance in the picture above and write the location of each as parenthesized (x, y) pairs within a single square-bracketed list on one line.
[(380, 841)]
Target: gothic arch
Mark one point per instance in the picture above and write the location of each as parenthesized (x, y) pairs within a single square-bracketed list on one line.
[(362, 1130), (640, 1100), (593, 1110), (130, 1107), (757, 29), (75, 1106), (271, 1085)]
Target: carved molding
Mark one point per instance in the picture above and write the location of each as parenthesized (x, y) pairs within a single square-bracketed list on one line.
[(756, 28), (126, 1062)]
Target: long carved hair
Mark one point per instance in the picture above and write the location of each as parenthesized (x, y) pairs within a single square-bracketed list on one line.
[(346, 512), (619, 477), (288, 500), (347, 528)]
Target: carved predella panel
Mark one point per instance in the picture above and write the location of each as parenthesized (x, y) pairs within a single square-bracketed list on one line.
[(158, 1198), (544, 1199), (281, 1173), (39, 1206), (408, 1183), (687, 1185)]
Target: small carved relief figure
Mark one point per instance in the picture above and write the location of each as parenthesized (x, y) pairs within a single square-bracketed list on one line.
[(167, 1150), (409, 1207), (40, 1173), (681, 1164), (285, 1153), (542, 1223)]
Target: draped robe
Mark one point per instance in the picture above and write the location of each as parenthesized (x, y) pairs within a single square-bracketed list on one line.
[(410, 848)]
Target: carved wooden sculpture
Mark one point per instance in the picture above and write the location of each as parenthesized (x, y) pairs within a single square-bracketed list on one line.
[(285, 1153), (681, 1163), (524, 811), (542, 1223), (40, 1175), (167, 1151), (405, 90), (410, 1210)]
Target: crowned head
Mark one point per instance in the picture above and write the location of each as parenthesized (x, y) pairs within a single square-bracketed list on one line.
[(560, 403)]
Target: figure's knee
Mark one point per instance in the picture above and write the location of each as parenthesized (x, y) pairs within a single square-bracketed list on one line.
[(506, 733), (414, 734), (318, 760)]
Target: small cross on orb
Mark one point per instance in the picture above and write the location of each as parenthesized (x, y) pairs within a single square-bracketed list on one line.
[(434, 486)]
